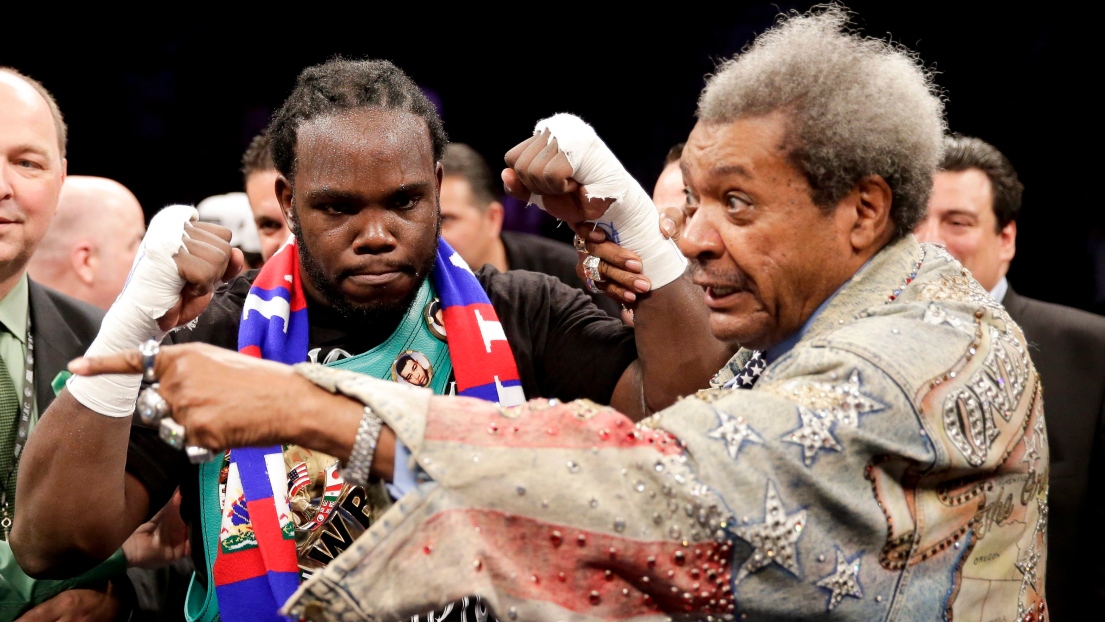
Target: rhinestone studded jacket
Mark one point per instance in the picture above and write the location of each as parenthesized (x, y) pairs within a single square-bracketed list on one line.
[(891, 466)]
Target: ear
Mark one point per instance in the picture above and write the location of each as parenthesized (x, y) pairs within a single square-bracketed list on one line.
[(85, 262), (495, 215), (439, 174), (285, 194), (1007, 242), (869, 204)]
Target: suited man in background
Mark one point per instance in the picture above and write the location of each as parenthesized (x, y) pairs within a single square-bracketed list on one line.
[(32, 169), (973, 211), (259, 176)]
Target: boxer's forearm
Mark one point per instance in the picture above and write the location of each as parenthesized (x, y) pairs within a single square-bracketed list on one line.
[(676, 351), (383, 462), (74, 506)]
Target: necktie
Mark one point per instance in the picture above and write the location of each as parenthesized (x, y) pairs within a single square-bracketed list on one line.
[(9, 424), (750, 373)]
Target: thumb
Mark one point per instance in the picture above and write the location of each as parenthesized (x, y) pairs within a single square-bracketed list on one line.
[(671, 222), (128, 362)]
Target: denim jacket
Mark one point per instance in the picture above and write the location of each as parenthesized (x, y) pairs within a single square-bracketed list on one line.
[(891, 466)]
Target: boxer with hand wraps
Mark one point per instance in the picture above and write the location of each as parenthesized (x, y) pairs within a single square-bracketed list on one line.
[(358, 149)]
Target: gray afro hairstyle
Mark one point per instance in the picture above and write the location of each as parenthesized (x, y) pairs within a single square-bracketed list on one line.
[(854, 106)]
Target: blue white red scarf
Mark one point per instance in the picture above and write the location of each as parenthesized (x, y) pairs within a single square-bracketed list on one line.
[(256, 569)]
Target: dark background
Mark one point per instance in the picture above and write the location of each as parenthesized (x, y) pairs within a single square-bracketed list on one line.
[(167, 106)]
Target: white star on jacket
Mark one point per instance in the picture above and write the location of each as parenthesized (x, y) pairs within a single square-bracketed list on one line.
[(844, 581), (817, 425), (815, 434), (773, 541), (734, 431)]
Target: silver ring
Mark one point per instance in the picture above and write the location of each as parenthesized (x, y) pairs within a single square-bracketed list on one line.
[(149, 350), (591, 269), (151, 407), (172, 433), (199, 455), (580, 245)]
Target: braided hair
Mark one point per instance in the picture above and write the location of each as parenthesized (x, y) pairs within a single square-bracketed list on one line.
[(340, 84)]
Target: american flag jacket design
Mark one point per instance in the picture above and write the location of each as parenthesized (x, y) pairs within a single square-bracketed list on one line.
[(892, 466)]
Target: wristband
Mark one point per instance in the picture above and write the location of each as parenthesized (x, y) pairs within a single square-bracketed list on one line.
[(152, 288), (632, 221)]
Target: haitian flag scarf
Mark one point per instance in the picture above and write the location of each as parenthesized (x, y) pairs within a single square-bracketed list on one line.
[(256, 567)]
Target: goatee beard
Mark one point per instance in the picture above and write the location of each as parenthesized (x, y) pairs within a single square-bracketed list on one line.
[(373, 313)]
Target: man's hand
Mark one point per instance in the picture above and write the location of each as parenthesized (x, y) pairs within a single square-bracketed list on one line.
[(76, 606), (672, 220), (222, 398), (161, 541), (206, 260), (620, 267), (537, 166), (225, 399)]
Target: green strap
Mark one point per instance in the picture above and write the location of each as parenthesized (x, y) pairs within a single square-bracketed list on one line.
[(412, 334), (201, 604)]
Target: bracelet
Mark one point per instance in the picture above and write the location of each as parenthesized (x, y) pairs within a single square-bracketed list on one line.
[(364, 448)]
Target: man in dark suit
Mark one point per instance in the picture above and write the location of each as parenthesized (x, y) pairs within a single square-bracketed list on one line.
[(32, 367), (63, 328), (973, 210)]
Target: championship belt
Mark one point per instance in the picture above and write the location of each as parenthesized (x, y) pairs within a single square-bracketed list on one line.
[(328, 513)]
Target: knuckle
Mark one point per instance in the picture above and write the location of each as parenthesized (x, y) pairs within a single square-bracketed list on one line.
[(199, 433)]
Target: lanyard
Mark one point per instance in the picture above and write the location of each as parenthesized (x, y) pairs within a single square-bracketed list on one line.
[(24, 427), (28, 396)]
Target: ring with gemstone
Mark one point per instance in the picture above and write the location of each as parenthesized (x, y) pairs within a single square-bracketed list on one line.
[(172, 433), (151, 407), (591, 269), (580, 245), (149, 349)]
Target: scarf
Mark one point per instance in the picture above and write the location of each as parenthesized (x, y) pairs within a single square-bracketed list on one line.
[(256, 567)]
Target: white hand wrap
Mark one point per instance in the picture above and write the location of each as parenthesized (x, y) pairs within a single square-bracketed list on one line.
[(632, 220), (153, 287)]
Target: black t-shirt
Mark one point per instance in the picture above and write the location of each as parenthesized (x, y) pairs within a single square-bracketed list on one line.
[(563, 345)]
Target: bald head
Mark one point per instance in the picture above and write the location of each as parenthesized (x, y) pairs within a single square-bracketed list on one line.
[(15, 79), (89, 248)]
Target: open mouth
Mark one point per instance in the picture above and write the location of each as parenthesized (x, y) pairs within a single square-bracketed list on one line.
[(721, 297), (721, 292)]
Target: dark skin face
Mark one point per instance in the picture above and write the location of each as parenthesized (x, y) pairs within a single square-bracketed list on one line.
[(765, 254), (364, 203)]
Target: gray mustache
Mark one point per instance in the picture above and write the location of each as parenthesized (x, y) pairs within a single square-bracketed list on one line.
[(730, 278)]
